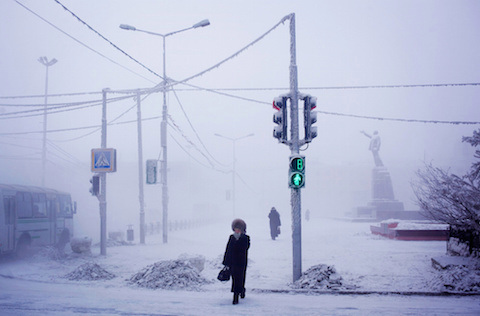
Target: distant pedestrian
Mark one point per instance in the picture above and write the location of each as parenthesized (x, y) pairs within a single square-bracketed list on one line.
[(307, 215), (274, 223), (236, 257)]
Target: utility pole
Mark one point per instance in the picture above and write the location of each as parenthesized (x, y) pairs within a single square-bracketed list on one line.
[(163, 145), (44, 61), (140, 170), (103, 181), (234, 171)]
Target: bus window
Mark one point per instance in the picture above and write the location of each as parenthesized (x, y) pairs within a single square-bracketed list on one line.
[(24, 204), (39, 205), (65, 205), (9, 206)]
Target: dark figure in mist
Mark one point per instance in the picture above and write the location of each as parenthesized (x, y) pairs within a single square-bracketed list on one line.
[(374, 147), (274, 223), (236, 257)]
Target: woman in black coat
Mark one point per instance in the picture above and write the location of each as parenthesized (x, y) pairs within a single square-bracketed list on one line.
[(236, 257), (274, 223)]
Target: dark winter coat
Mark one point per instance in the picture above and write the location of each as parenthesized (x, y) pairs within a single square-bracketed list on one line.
[(274, 222), (274, 218), (236, 258)]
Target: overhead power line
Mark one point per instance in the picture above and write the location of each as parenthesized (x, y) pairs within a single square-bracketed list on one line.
[(399, 119), (428, 85), (59, 108), (93, 50), (106, 39)]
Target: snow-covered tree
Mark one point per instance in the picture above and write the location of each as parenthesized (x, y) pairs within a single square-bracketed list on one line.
[(449, 198)]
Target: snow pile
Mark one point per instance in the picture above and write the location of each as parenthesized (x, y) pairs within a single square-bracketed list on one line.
[(115, 243), (457, 248), (319, 277), (458, 278), (81, 245), (198, 261), (48, 252), (414, 225), (171, 274), (217, 262), (89, 272)]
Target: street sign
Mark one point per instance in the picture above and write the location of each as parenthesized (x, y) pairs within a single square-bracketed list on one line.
[(104, 160)]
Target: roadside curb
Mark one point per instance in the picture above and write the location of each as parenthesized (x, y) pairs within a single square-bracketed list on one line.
[(335, 292)]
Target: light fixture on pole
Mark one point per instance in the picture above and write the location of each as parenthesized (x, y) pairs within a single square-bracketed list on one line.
[(234, 140), (44, 61), (163, 126)]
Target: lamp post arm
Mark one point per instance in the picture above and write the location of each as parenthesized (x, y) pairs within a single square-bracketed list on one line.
[(175, 32), (151, 33)]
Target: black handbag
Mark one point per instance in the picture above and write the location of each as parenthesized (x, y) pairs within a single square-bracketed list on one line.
[(224, 274)]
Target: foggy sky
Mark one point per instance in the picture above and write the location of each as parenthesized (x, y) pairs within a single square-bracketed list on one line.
[(339, 44)]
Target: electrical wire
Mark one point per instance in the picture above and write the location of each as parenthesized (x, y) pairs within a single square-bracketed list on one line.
[(429, 85), (399, 119), (93, 50), (179, 130), (112, 121), (106, 39), (195, 159), (124, 91), (237, 53), (53, 110), (194, 130)]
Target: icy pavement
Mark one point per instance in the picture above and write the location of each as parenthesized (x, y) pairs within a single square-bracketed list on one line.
[(338, 257)]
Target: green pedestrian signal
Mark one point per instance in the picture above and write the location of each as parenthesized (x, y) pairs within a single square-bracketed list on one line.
[(297, 180), (296, 174)]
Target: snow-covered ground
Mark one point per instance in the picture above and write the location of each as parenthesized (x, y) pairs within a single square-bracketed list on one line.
[(355, 260)]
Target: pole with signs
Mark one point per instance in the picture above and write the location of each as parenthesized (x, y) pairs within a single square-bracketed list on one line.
[(103, 161)]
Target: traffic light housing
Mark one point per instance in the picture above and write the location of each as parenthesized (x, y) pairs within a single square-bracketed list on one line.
[(296, 174), (310, 117), (151, 171), (280, 118), (95, 188)]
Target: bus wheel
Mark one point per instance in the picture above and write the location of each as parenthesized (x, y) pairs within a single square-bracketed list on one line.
[(23, 247)]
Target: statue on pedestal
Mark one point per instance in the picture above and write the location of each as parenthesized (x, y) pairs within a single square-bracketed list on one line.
[(374, 147)]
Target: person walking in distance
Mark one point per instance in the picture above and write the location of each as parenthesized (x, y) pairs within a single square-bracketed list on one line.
[(274, 223), (236, 257)]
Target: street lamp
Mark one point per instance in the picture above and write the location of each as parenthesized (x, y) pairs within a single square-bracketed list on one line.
[(163, 126), (44, 61), (234, 140)]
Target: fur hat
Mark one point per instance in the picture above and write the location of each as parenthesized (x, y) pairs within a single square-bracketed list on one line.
[(238, 223)]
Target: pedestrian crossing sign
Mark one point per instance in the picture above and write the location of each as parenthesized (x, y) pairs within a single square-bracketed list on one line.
[(104, 160)]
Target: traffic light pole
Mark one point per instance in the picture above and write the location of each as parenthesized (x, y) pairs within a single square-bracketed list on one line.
[(295, 199), (102, 198)]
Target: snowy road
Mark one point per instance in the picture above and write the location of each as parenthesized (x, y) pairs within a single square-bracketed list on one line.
[(20, 297), (367, 263)]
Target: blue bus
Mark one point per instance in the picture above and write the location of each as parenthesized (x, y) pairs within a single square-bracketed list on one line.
[(33, 216)]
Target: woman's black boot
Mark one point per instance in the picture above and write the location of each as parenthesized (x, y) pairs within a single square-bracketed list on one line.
[(235, 298)]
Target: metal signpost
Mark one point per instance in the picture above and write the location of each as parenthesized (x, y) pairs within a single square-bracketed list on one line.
[(103, 161)]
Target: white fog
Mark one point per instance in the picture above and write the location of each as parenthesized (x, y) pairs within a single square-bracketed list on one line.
[(407, 69)]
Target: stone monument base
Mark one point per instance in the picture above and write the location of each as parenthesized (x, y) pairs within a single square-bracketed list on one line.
[(383, 204)]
